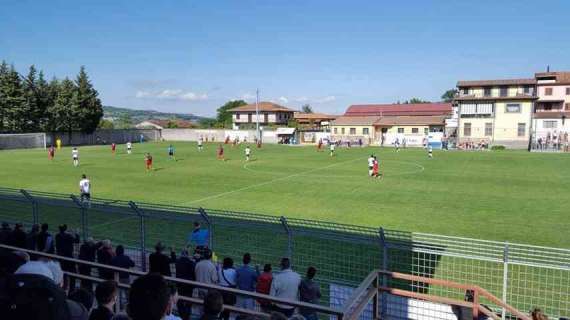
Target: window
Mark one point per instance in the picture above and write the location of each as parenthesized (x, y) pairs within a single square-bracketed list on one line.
[(487, 92), (364, 130), (568, 106), (488, 129), (504, 91), (400, 130), (335, 130), (568, 91), (513, 108), (415, 130), (237, 116), (465, 90), (342, 131), (249, 117), (426, 131), (549, 124), (352, 130), (467, 129), (521, 129), (526, 89), (547, 91)]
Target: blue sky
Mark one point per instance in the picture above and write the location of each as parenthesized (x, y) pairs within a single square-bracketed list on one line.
[(192, 56)]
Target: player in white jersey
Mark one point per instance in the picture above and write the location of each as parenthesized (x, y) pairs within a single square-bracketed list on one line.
[(430, 152), (332, 148), (247, 153), (85, 189), (200, 144), (75, 155), (129, 147), (371, 165)]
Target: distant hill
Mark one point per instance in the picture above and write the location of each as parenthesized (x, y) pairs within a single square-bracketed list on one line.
[(110, 112)]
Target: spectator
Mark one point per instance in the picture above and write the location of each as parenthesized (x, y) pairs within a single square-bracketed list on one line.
[(205, 272), (32, 238), (264, 286), (120, 260), (213, 305), (310, 292), (148, 298), (82, 297), (5, 233), (537, 314), (277, 316), (159, 262), (246, 277), (185, 268), (106, 294), (18, 236), (104, 256), (199, 237), (45, 240), (87, 252), (64, 242), (10, 261), (227, 278), (285, 285), (173, 300)]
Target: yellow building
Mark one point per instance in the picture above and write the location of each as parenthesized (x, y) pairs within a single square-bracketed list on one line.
[(354, 128), (496, 111)]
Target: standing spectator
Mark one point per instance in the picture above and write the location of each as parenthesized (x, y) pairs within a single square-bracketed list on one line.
[(106, 295), (104, 256), (45, 240), (213, 305), (159, 262), (148, 298), (310, 292), (264, 286), (199, 237), (82, 297), (285, 285), (173, 301), (32, 238), (227, 276), (206, 272), (18, 236), (537, 314), (87, 252), (5, 233), (185, 268), (64, 242), (246, 277), (120, 260)]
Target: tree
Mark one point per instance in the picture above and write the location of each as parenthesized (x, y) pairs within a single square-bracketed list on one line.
[(3, 99), (449, 95), (415, 101), (124, 121), (105, 124), (306, 108), (64, 112), (33, 112), (88, 106), (224, 117), (172, 124), (52, 91), (12, 94), (44, 101)]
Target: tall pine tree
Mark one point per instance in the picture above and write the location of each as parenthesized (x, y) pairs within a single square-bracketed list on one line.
[(88, 106), (63, 113), (44, 101), (3, 101), (31, 117), (14, 101)]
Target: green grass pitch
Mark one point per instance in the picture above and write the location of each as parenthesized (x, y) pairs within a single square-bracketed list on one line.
[(510, 195)]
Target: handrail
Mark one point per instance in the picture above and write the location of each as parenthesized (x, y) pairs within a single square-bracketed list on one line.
[(318, 308)]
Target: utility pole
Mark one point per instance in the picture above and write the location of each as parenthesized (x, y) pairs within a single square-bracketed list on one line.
[(257, 114)]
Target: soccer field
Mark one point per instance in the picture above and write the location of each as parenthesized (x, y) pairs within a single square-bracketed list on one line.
[(509, 195)]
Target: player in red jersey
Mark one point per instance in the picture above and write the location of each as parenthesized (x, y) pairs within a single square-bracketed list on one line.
[(51, 152), (320, 145), (148, 161), (220, 152), (113, 147)]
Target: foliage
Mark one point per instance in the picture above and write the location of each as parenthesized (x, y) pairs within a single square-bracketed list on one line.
[(31, 104), (224, 117), (138, 116), (449, 95), (171, 124), (415, 100), (306, 108), (207, 123), (124, 121), (498, 147), (106, 124)]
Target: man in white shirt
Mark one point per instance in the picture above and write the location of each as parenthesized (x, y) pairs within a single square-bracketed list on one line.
[(129, 147), (370, 165), (85, 189), (75, 155), (200, 143), (332, 147), (285, 285), (247, 153)]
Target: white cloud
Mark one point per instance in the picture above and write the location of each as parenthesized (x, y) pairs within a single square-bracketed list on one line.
[(325, 99), (173, 94), (302, 99), (283, 99)]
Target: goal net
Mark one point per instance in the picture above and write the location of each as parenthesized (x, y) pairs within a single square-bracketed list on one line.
[(22, 141)]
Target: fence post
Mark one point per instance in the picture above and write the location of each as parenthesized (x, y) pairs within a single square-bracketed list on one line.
[(28, 196), (385, 258), (84, 229), (142, 233), (505, 277), (289, 237), (210, 228)]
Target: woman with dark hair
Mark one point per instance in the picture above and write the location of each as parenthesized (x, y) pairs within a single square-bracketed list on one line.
[(227, 276)]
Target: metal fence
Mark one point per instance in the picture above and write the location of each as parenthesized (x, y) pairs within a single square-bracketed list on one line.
[(522, 275)]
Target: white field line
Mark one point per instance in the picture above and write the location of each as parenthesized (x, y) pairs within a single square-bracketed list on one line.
[(268, 182)]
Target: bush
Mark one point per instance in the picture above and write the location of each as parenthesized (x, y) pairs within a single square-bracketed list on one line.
[(498, 147)]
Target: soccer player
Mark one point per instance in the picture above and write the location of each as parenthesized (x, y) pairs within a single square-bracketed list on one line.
[(220, 152), (200, 144), (332, 148), (247, 153), (113, 147), (75, 155), (58, 143), (148, 161), (51, 152), (375, 168), (320, 145), (129, 147), (371, 160), (85, 190), (397, 144), (430, 152), (171, 152)]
